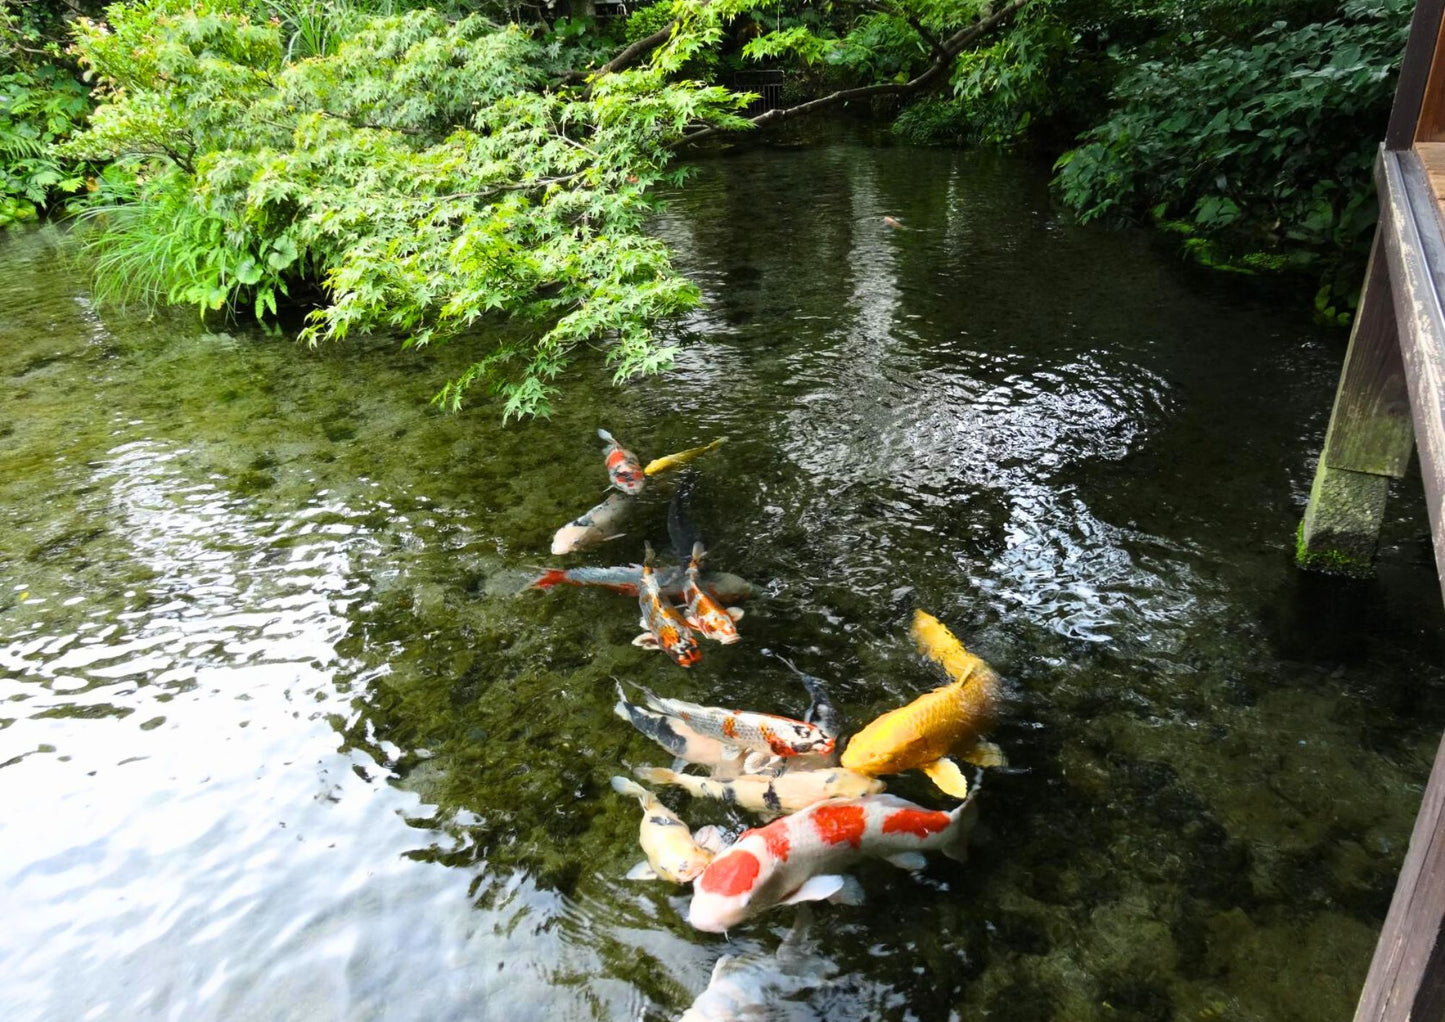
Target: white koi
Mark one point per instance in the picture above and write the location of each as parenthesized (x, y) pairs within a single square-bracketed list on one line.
[(673, 852), (786, 793)]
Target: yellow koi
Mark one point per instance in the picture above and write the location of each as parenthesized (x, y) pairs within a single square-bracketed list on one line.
[(671, 461), (948, 720)]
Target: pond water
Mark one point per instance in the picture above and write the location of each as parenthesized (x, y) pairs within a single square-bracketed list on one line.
[(278, 739)]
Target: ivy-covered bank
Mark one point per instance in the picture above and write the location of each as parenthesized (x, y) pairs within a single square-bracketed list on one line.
[(421, 172)]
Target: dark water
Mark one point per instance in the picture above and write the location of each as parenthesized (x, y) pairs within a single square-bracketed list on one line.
[(279, 742)]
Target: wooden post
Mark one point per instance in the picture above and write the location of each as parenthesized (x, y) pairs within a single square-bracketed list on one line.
[(1369, 438), (1406, 982)]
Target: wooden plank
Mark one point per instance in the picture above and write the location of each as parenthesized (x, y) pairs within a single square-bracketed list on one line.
[(1415, 253), (1399, 981), (1430, 125), (1370, 427), (1414, 74)]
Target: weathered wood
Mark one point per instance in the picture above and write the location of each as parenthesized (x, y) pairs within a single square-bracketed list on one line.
[(1410, 225), (1370, 428), (1414, 74), (1430, 125), (1400, 986)]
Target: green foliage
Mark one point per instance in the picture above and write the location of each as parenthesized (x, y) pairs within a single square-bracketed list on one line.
[(425, 173), (41, 104), (1265, 147)]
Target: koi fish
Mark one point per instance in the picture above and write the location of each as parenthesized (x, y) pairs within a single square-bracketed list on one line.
[(821, 710), (947, 720), (664, 627), (673, 852), (787, 793), (796, 858), (685, 744), (593, 526), (671, 461), (768, 738), (627, 579), (623, 468), (754, 985), (704, 614)]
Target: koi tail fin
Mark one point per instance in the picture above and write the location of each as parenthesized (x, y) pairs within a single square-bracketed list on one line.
[(965, 815), (630, 788), (698, 553), (547, 580), (607, 437), (647, 557), (652, 775)]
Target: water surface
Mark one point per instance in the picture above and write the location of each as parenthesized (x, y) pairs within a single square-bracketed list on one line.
[(279, 740)]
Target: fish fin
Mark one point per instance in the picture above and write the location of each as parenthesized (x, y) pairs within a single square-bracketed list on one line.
[(646, 641), (912, 861), (678, 763), (984, 754), (642, 871), (630, 788), (945, 773), (736, 613), (547, 580), (607, 437), (816, 889), (965, 816), (760, 762), (719, 967), (851, 893), (712, 837)]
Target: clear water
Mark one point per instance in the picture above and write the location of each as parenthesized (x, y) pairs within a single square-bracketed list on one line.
[(279, 741)]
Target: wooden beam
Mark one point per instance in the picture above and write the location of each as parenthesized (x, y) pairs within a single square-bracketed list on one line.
[(1410, 227), (1414, 74), (1402, 986)]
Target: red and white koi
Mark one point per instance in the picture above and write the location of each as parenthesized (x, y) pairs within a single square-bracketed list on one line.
[(665, 628), (767, 737), (705, 614), (786, 793), (673, 852), (797, 858), (627, 579), (623, 468)]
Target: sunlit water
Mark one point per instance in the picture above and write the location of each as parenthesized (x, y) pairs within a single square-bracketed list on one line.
[(279, 741)]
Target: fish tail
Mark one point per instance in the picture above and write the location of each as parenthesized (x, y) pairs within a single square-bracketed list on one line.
[(608, 437), (965, 815), (630, 788), (547, 580), (647, 558), (698, 553), (653, 775)]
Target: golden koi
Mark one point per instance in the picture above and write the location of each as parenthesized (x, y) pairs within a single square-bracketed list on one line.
[(950, 719), (787, 793), (671, 461), (673, 853)]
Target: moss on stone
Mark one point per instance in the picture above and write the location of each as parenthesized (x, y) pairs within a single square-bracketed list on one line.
[(1329, 560)]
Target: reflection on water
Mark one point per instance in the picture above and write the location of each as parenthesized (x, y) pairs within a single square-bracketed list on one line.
[(278, 740)]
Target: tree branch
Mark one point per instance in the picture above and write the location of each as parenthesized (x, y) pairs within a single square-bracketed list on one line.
[(945, 52), (627, 57)]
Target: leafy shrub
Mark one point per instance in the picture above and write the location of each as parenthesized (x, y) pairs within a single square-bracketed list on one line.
[(1261, 148)]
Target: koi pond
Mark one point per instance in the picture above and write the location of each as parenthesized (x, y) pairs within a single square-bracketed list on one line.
[(280, 739)]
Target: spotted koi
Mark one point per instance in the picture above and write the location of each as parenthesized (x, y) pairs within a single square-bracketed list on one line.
[(665, 628), (623, 468), (704, 614), (796, 858), (762, 733)]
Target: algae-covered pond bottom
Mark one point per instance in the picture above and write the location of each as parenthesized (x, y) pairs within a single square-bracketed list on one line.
[(278, 739)]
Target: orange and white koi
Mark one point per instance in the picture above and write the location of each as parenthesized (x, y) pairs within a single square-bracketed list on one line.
[(685, 744), (673, 852), (665, 628), (704, 614), (797, 858), (786, 793), (767, 737), (623, 468), (627, 579)]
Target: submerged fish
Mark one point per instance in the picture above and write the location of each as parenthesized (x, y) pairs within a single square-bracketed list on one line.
[(623, 468), (627, 579), (673, 852), (594, 526), (949, 719), (759, 986), (768, 737), (796, 858), (821, 710), (665, 628), (671, 461), (685, 743), (786, 793), (703, 612)]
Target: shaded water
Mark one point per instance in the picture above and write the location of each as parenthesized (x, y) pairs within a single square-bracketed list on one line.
[(277, 741)]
